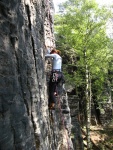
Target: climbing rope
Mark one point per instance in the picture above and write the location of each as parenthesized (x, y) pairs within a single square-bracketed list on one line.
[(52, 126), (55, 77), (62, 117), (55, 80)]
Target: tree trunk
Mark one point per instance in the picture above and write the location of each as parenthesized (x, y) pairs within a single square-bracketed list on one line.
[(88, 102), (87, 109)]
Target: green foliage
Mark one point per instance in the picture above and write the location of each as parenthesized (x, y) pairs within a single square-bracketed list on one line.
[(81, 31)]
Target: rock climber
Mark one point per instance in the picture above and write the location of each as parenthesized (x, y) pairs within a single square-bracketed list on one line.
[(56, 76)]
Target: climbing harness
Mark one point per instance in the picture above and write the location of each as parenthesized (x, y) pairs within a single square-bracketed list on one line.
[(54, 77)]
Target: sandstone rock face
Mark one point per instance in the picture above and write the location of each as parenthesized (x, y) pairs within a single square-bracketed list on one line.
[(76, 129), (24, 116), (22, 88)]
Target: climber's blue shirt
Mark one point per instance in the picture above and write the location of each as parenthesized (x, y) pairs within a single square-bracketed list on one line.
[(57, 61)]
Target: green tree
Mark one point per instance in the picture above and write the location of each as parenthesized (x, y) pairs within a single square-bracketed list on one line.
[(81, 31)]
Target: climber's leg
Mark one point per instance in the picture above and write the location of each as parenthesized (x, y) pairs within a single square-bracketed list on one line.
[(52, 97)]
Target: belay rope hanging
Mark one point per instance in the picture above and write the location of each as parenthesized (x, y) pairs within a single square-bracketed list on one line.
[(62, 118), (54, 79)]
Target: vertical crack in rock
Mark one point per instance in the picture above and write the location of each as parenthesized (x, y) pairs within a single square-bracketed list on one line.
[(33, 51), (32, 40), (34, 122), (27, 107), (28, 15)]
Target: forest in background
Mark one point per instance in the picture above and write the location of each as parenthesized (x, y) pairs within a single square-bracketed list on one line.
[(80, 31)]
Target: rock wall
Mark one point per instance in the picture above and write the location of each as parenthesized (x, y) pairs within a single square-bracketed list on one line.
[(76, 128), (25, 124), (23, 104)]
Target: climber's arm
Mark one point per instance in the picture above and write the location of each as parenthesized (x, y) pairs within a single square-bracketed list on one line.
[(50, 56)]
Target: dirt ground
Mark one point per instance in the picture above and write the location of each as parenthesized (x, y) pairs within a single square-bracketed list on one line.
[(101, 138)]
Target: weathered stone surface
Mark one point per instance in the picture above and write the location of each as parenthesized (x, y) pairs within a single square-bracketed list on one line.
[(23, 102), (76, 129), (25, 122)]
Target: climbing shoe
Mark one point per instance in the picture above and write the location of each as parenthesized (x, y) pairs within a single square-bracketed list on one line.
[(52, 106)]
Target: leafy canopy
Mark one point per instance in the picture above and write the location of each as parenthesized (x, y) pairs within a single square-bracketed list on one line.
[(80, 29)]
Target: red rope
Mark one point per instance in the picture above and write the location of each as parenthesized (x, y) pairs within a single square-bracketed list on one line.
[(62, 117)]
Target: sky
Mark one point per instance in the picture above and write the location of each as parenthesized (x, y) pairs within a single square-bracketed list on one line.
[(101, 2), (56, 2)]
